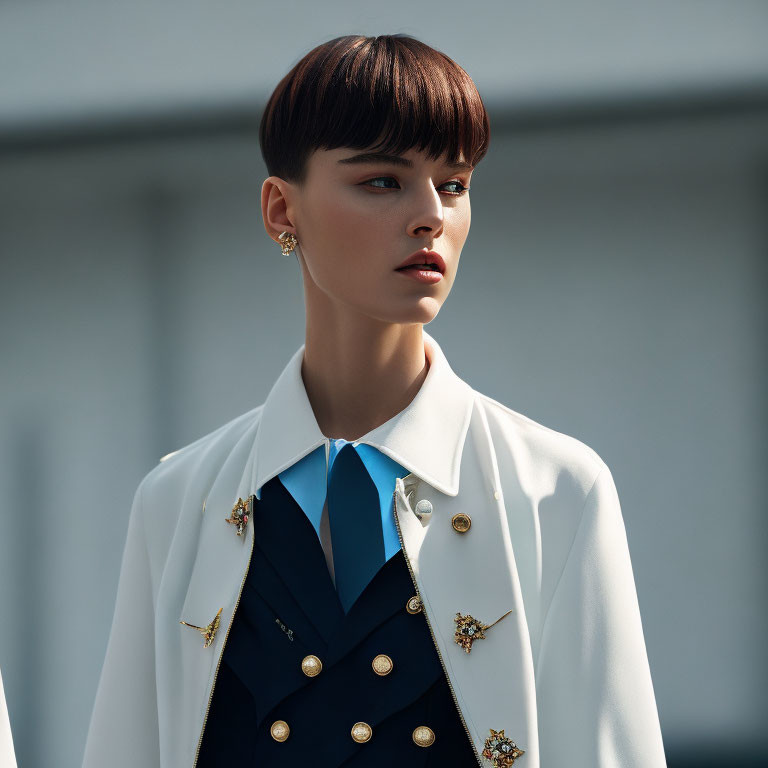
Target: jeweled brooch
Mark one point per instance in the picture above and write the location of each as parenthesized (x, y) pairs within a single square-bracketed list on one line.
[(501, 750), (208, 632), (241, 513), (469, 629)]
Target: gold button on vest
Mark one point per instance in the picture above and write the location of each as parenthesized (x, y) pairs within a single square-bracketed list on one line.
[(311, 666), (382, 664), (423, 736), (361, 732), (414, 604), (461, 522), (280, 730)]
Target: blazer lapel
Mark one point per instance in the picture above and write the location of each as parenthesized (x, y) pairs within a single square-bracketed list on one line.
[(214, 584), (474, 573), (222, 556)]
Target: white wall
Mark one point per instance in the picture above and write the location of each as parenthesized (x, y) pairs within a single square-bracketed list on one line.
[(89, 59)]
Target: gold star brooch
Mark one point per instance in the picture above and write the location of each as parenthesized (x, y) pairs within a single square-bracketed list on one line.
[(208, 632), (501, 750), (241, 513), (469, 629)]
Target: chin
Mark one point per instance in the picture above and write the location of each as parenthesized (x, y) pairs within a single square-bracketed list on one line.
[(423, 311)]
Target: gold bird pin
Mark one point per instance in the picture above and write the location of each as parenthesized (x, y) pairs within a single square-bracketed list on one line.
[(208, 632), (469, 629), (241, 513), (501, 750)]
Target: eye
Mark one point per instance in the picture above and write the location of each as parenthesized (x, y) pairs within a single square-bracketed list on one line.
[(461, 188)]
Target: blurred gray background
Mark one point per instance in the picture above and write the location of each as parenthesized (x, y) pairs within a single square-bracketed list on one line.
[(616, 271)]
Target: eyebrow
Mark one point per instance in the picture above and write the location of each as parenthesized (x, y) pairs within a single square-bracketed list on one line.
[(385, 157)]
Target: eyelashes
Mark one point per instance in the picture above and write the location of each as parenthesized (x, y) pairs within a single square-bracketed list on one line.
[(462, 189)]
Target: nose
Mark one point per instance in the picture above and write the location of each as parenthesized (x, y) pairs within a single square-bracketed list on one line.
[(428, 214)]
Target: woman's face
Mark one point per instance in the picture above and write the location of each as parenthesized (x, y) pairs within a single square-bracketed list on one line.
[(358, 218)]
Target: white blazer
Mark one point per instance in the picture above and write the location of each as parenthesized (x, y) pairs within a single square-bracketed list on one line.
[(565, 675), (7, 753)]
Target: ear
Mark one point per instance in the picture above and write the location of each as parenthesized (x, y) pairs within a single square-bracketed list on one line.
[(277, 204)]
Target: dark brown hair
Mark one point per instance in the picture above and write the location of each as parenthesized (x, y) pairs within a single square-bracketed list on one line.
[(354, 90)]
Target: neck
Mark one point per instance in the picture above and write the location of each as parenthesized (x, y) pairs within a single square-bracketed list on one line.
[(360, 375)]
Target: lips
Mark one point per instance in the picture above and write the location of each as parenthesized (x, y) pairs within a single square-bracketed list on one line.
[(424, 257)]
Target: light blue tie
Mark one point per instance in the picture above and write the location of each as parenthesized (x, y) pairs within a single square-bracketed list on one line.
[(354, 516)]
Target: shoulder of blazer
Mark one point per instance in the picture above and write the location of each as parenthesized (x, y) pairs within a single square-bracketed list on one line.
[(547, 457), (179, 477)]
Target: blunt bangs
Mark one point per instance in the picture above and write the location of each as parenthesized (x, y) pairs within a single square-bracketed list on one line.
[(390, 93)]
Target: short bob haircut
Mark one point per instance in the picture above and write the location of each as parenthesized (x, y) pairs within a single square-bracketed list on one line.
[(353, 91)]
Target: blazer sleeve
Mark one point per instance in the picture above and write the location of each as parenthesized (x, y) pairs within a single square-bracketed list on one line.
[(124, 730), (595, 698), (7, 753)]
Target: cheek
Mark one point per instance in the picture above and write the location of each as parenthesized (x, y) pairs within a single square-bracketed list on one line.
[(459, 224), (345, 234), (353, 213), (455, 233)]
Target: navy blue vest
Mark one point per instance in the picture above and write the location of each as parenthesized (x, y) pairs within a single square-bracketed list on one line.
[(289, 609)]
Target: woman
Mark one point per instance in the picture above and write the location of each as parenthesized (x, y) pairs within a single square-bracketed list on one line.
[(378, 564)]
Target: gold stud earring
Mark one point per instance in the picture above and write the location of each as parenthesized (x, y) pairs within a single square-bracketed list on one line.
[(288, 241)]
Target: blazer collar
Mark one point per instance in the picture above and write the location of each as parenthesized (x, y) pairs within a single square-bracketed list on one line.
[(426, 437)]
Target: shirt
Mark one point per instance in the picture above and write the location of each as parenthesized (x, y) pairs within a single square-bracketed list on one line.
[(307, 482)]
